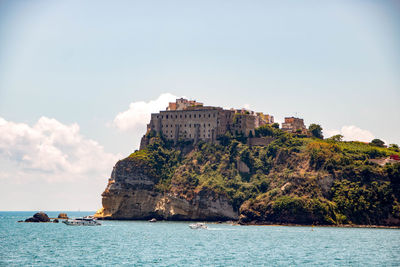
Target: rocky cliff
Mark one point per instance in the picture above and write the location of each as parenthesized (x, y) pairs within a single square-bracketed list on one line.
[(131, 194), (289, 179)]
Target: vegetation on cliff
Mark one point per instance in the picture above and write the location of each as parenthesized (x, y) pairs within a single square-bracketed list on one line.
[(294, 179)]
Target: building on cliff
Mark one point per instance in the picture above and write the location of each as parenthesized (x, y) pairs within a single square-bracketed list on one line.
[(191, 120), (293, 124)]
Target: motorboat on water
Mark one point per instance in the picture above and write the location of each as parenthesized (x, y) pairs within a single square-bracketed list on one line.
[(198, 226), (84, 221)]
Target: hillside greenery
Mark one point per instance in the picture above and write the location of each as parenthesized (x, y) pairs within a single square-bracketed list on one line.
[(293, 179)]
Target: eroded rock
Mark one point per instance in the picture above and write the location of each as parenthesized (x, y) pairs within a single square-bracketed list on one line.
[(131, 194), (42, 217), (62, 216)]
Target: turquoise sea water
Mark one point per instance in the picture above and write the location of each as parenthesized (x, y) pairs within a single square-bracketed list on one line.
[(139, 243)]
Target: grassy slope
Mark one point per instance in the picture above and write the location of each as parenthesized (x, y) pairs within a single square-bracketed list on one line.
[(292, 180)]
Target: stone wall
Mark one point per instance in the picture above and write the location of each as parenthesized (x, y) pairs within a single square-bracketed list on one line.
[(259, 141)]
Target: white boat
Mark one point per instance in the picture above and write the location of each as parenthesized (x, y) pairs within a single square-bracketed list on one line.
[(85, 221), (198, 226)]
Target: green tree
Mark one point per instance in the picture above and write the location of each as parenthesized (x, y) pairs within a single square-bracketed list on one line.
[(377, 142), (264, 130), (275, 125), (225, 139), (337, 138), (316, 130), (251, 134), (394, 147)]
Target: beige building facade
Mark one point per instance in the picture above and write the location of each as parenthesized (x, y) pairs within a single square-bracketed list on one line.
[(293, 124), (190, 120)]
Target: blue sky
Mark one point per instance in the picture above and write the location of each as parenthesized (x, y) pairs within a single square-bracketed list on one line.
[(68, 68)]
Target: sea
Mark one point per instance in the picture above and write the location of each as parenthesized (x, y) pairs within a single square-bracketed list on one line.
[(141, 243)]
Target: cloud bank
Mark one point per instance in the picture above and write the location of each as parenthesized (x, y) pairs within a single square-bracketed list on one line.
[(139, 113), (51, 166), (51, 150), (351, 133)]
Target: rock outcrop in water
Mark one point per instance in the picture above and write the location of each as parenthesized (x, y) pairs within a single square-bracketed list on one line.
[(62, 216), (39, 217)]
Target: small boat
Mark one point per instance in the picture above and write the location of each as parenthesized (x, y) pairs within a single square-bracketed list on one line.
[(153, 220), (85, 221), (198, 226)]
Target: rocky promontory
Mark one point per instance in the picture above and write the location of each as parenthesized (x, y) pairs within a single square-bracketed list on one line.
[(291, 179), (132, 194)]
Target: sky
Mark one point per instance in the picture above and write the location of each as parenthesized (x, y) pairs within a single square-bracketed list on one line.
[(79, 79)]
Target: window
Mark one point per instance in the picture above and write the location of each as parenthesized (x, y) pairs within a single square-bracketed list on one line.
[(209, 125), (190, 126), (199, 115), (167, 116), (194, 115), (176, 116), (209, 115), (180, 116), (190, 115), (185, 115)]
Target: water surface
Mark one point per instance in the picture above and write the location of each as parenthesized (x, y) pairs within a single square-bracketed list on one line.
[(141, 243)]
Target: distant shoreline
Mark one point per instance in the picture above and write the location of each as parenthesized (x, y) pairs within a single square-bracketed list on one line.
[(242, 224), (268, 224), (335, 226)]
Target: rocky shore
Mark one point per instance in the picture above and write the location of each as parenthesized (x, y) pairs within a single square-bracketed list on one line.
[(325, 225)]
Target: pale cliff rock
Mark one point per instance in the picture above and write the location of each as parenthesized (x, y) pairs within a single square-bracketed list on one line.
[(131, 195)]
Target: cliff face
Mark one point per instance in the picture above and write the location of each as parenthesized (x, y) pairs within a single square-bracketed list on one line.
[(291, 179), (131, 195)]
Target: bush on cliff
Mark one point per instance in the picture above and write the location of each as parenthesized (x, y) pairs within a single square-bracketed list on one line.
[(291, 180)]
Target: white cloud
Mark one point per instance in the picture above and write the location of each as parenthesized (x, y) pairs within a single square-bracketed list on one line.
[(351, 133), (51, 166), (51, 151), (138, 114)]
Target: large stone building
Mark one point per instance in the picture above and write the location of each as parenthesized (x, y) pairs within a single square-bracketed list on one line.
[(293, 124), (191, 120)]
